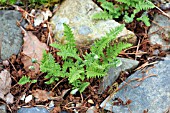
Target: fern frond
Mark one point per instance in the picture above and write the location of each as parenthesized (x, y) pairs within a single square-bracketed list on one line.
[(144, 5), (108, 6), (83, 86), (75, 74), (113, 51), (103, 15), (66, 51), (69, 35), (49, 66), (99, 45), (95, 70)]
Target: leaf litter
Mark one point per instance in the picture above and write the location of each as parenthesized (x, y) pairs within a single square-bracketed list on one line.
[(32, 49), (40, 93)]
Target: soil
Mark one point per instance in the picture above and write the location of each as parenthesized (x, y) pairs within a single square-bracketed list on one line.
[(68, 102)]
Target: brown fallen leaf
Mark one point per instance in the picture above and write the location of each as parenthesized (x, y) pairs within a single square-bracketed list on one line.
[(41, 95), (32, 49), (5, 86)]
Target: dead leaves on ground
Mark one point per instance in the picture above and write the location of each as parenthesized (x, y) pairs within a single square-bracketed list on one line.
[(32, 49), (42, 95)]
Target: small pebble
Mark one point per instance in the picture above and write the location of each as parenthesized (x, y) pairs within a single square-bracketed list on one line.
[(90, 101), (28, 98), (51, 104)]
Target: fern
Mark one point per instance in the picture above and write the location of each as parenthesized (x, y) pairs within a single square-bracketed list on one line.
[(102, 15), (75, 68), (49, 66), (116, 10), (69, 49), (99, 45), (113, 51)]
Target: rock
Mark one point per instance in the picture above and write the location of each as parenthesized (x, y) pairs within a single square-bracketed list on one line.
[(3, 109), (153, 94), (157, 34), (113, 74), (92, 109), (33, 110), (10, 33), (77, 14)]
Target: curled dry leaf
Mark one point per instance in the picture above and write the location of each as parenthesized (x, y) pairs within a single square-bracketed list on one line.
[(41, 95), (32, 49), (5, 86)]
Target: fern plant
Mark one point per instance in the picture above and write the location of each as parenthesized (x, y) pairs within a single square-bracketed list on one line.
[(76, 68), (121, 7)]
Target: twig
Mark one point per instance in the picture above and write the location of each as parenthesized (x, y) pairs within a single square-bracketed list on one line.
[(49, 39), (144, 65), (165, 14), (160, 10), (137, 49), (133, 53), (58, 84)]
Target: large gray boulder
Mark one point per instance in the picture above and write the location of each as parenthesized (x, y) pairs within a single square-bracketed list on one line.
[(10, 33), (153, 94), (78, 13), (159, 31)]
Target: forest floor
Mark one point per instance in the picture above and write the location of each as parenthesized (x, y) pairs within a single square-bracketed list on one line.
[(90, 96)]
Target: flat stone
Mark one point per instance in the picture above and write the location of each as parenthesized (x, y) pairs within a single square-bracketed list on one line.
[(153, 94), (78, 15), (33, 110), (113, 74), (92, 109), (3, 109), (10, 34), (157, 34)]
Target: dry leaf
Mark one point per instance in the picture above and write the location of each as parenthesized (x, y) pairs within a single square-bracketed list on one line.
[(5, 86), (33, 49), (41, 95)]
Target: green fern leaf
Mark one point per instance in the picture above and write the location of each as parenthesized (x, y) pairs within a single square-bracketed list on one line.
[(145, 5), (108, 6), (75, 74), (99, 45), (103, 15), (83, 86), (113, 51), (69, 35), (145, 19)]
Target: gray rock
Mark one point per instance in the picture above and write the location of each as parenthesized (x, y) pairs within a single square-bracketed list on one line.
[(3, 109), (153, 94), (33, 110), (113, 74), (156, 33), (10, 33), (92, 109), (78, 13)]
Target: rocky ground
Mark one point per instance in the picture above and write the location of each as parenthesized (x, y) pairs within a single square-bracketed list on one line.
[(141, 81)]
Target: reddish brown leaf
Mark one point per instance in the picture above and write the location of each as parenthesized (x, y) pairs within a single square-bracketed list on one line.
[(32, 49)]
